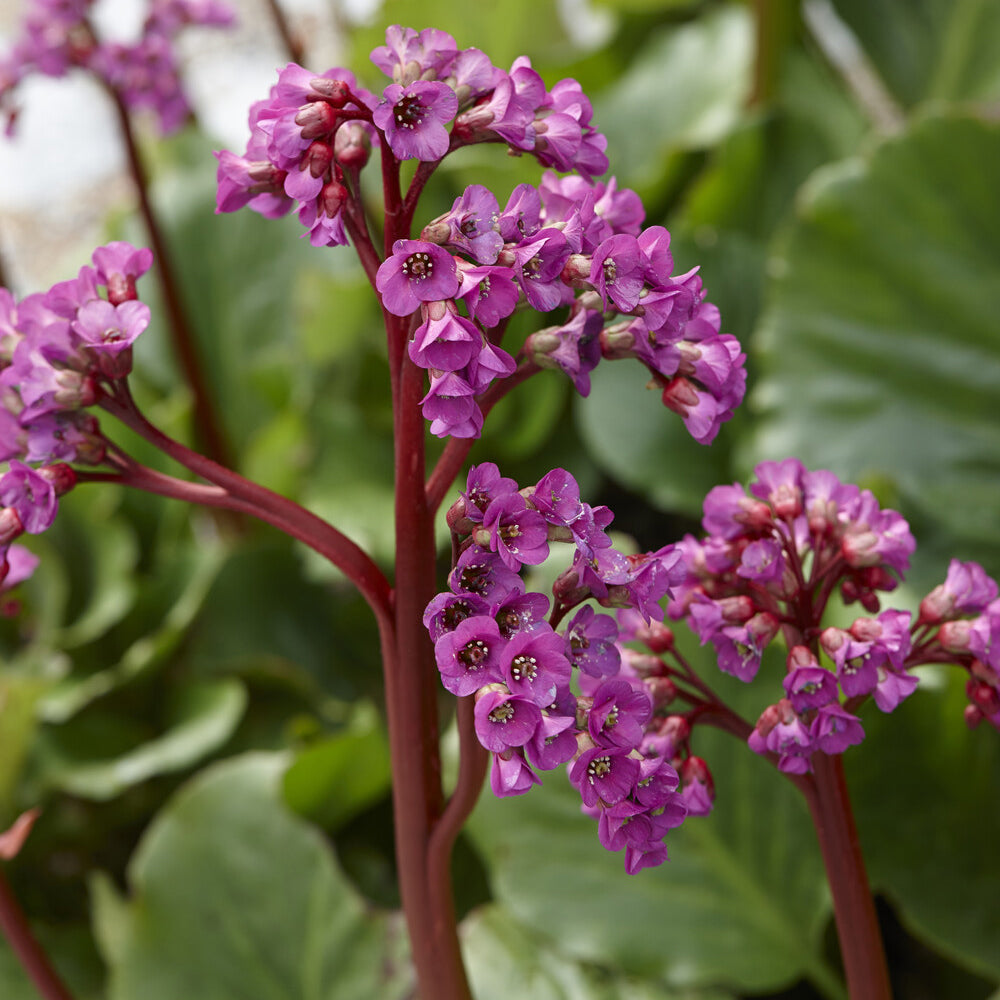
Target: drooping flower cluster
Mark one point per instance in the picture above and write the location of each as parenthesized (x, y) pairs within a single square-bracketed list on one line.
[(959, 622), (569, 243), (59, 351), (771, 560), (57, 35), (493, 640), (58, 347)]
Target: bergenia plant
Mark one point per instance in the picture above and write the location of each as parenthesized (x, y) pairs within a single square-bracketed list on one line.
[(583, 676)]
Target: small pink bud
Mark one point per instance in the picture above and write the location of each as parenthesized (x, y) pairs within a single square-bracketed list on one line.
[(317, 158), (679, 395), (657, 636), (60, 475), (866, 629), (10, 525), (736, 610), (695, 769), (121, 288), (676, 728), (831, 639), (316, 119), (662, 690), (332, 197), (973, 716), (954, 636), (335, 91), (457, 521), (801, 656), (352, 146), (567, 589)]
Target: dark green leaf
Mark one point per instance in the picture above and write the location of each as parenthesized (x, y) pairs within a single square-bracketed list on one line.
[(234, 898)]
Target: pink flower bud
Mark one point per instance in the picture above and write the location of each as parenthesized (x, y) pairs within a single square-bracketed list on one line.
[(316, 119), (60, 475), (336, 92), (10, 526), (801, 656)]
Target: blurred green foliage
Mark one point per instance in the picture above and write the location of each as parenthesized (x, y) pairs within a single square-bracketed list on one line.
[(199, 715)]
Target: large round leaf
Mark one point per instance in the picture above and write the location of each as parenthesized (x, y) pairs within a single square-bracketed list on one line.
[(236, 899), (940, 867), (741, 903), (880, 350)]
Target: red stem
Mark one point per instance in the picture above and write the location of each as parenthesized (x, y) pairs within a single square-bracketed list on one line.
[(25, 946), (251, 498), (853, 905), (208, 425)]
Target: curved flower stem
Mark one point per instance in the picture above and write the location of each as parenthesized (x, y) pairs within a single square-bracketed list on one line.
[(208, 425), (251, 498), (34, 961), (853, 905)]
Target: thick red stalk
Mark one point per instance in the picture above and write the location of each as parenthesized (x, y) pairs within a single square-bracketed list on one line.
[(23, 943), (208, 425), (411, 700), (853, 905)]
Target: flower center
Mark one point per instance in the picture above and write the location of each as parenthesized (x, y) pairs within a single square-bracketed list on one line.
[(409, 112), (502, 713), (418, 266), (524, 668), (473, 654), (599, 767)]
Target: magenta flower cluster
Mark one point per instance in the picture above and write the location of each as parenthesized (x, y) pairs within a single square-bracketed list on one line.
[(57, 349), (499, 643), (567, 243), (773, 557), (57, 35), (570, 243)]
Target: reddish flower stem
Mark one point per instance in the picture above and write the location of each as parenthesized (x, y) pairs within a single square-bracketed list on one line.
[(853, 905), (24, 944), (248, 497), (208, 425)]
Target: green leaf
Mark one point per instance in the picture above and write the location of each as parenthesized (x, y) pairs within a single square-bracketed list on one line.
[(190, 575), (205, 715), (684, 90), (507, 960), (234, 898), (644, 446), (740, 904), (337, 778), (879, 352), (19, 697), (939, 49)]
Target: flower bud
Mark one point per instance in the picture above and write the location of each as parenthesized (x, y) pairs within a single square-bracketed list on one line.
[(662, 690), (675, 728), (331, 197), (317, 158), (316, 119), (659, 638), (336, 92), (801, 656), (352, 146), (10, 526), (60, 475)]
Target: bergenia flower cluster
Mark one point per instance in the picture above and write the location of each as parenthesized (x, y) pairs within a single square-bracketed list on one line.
[(572, 243), (500, 643), (773, 557), (59, 350), (58, 35)]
